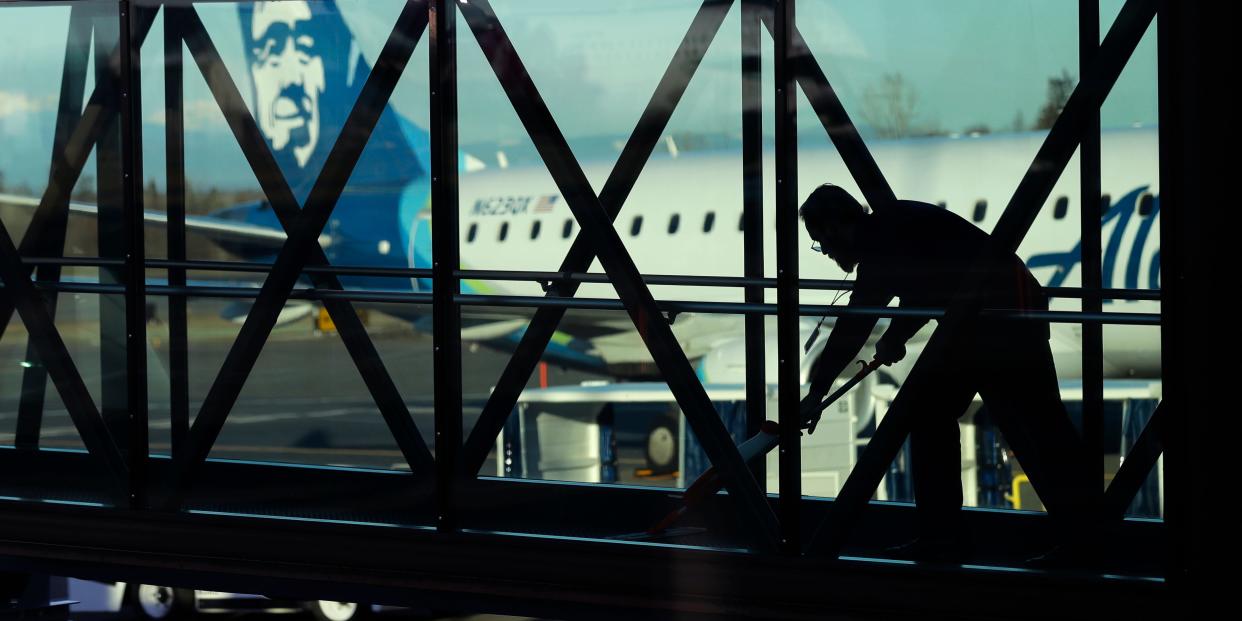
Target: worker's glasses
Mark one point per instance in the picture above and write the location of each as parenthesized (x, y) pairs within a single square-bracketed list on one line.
[(818, 247)]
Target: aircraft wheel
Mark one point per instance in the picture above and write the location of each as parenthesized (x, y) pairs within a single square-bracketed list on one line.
[(324, 610), (150, 602), (662, 446)]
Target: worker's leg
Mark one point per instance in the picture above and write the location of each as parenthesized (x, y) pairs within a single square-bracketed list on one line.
[(936, 454), (1019, 386)]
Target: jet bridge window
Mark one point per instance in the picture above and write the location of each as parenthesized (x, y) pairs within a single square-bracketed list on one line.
[(1061, 208), (504, 231), (568, 229), (673, 223), (534, 229), (709, 221), (981, 211), (471, 233), (636, 225)]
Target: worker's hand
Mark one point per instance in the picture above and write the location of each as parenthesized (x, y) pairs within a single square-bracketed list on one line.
[(887, 353), (809, 407)]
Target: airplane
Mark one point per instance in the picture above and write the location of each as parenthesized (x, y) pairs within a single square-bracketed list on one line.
[(683, 216)]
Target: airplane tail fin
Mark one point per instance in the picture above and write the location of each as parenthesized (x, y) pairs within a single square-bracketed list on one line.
[(306, 71)]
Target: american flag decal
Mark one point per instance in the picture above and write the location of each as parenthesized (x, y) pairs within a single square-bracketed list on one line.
[(546, 203)]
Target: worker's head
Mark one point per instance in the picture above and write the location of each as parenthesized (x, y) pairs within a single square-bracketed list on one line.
[(831, 217)]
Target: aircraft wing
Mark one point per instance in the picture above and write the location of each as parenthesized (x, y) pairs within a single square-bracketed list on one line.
[(581, 323), (213, 228)]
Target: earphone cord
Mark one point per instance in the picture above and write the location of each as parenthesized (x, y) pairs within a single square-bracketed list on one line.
[(815, 333)]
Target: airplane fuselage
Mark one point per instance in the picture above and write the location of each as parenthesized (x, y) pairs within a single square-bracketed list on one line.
[(684, 217)]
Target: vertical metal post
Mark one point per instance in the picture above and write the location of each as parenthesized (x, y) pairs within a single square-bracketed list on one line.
[(135, 252), (1092, 274), (788, 353), (752, 217), (174, 136), (1186, 199), (72, 92), (111, 233), (445, 257)]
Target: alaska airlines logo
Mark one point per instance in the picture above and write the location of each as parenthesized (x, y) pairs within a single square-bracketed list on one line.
[(289, 76), (1121, 214), (514, 205)]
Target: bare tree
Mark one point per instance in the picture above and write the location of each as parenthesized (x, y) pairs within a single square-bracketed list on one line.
[(889, 106), (1059, 89), (1019, 122)]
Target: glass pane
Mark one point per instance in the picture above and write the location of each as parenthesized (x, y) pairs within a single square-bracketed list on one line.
[(596, 411), (33, 413), (954, 101), (305, 402)]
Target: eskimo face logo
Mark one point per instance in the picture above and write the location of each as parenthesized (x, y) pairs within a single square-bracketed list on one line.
[(289, 77)]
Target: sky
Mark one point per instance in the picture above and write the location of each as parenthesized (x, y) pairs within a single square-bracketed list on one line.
[(966, 63)]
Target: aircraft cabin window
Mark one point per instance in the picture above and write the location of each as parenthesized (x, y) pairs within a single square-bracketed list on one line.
[(1147, 204), (1061, 208), (636, 225), (709, 221), (673, 223), (504, 230), (471, 232), (534, 229), (568, 229), (981, 211)]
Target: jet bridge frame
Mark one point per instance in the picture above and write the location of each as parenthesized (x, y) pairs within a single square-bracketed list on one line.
[(135, 493)]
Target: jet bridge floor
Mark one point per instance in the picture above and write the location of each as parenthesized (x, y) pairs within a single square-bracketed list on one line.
[(372, 532)]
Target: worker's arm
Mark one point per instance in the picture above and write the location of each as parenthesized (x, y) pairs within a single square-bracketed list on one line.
[(848, 336), (892, 344)]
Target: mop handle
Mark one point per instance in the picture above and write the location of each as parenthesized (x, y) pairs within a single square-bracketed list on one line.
[(867, 368)]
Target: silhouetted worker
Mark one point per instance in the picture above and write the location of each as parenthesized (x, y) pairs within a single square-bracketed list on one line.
[(921, 254)]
